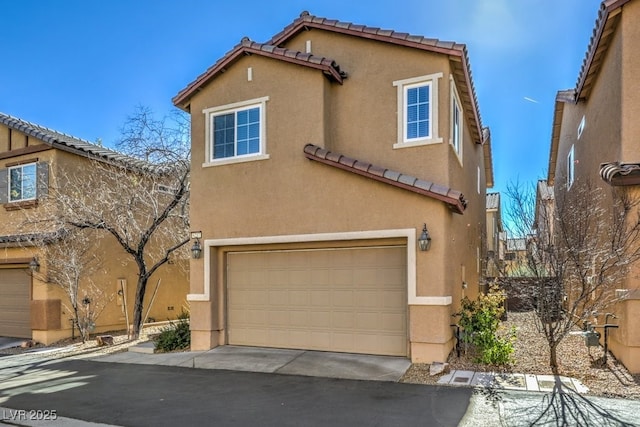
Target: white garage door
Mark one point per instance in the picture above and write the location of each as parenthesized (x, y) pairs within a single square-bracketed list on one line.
[(345, 300), (15, 297)]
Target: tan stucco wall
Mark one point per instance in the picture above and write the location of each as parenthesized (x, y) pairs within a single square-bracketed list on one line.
[(288, 194), (629, 32)]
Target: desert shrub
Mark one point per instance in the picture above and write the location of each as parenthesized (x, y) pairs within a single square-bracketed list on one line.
[(176, 336), (480, 323)]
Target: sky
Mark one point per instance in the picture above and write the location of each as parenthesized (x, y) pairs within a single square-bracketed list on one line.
[(82, 67)]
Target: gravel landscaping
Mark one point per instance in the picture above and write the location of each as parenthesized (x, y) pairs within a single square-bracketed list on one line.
[(69, 347), (531, 356)]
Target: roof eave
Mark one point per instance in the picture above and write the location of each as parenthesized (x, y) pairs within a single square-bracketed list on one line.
[(453, 199), (181, 100), (604, 28)]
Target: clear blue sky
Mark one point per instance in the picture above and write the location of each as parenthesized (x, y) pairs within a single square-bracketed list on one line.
[(81, 67)]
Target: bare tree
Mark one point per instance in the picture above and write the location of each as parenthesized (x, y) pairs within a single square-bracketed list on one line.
[(71, 263), (140, 197), (578, 253)]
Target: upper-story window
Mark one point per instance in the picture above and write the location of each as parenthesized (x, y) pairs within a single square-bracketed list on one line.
[(570, 167), (22, 183), (236, 132), (417, 111)]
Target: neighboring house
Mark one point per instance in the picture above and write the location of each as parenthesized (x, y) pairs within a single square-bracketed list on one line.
[(316, 159), (495, 237), (595, 138), (31, 156), (515, 258)]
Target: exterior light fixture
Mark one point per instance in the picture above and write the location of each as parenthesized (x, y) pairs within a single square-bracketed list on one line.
[(424, 242), (34, 265), (196, 249)]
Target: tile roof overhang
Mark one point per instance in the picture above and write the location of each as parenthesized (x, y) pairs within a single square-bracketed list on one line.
[(562, 97), (452, 198), (493, 201), (457, 54), (606, 23), (71, 144), (620, 174), (247, 47), (28, 239)]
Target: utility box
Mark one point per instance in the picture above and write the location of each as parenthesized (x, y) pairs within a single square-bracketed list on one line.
[(591, 338)]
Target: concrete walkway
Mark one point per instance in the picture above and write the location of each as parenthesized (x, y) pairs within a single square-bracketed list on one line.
[(520, 382)]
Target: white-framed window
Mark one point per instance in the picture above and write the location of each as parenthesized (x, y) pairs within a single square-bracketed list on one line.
[(570, 167), (581, 127), (456, 121), (417, 111), (22, 182), (478, 179), (236, 132)]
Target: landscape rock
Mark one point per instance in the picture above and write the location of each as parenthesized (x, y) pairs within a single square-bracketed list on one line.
[(437, 368), (104, 340)]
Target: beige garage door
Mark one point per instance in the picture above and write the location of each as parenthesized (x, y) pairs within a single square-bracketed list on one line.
[(346, 300), (15, 297)]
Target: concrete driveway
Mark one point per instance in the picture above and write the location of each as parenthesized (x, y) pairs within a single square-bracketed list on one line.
[(280, 361), (8, 342)]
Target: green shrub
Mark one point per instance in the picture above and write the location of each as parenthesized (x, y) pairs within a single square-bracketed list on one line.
[(480, 323), (176, 336)]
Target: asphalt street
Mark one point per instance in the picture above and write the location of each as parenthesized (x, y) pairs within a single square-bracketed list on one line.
[(147, 395)]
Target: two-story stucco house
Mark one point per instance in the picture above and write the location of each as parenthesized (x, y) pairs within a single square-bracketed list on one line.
[(31, 157), (317, 159), (595, 138)]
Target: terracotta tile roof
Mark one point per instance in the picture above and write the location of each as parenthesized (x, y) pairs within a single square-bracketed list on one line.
[(493, 200), (456, 51), (247, 47), (28, 239), (310, 21), (454, 199), (70, 143), (616, 173), (545, 191), (608, 17)]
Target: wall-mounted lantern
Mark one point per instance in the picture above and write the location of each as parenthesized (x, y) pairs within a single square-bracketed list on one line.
[(196, 249), (34, 265), (424, 241)]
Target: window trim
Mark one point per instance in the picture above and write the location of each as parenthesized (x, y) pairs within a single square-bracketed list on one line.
[(211, 112), (571, 167), (35, 183), (455, 102), (402, 86)]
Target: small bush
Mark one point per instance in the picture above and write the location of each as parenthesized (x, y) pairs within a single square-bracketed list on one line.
[(480, 322), (176, 336)]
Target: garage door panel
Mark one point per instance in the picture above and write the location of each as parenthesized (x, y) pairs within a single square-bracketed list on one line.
[(15, 300), (320, 298), (350, 300)]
